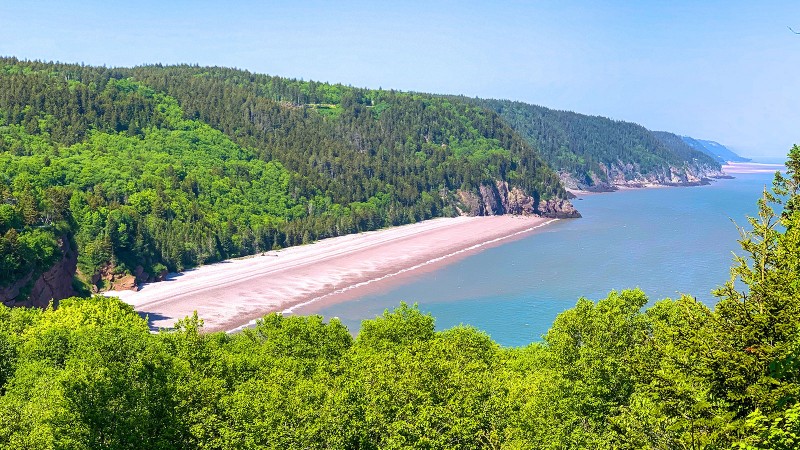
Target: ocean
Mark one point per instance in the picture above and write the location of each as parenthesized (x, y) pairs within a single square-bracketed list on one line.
[(665, 241)]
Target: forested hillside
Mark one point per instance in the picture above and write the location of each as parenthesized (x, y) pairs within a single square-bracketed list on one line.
[(714, 149), (608, 374), (156, 168), (597, 153)]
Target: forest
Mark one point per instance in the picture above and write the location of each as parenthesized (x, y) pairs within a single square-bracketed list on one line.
[(612, 373), (586, 147), (156, 169)]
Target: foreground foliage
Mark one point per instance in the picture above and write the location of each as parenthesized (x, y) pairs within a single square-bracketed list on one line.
[(608, 374)]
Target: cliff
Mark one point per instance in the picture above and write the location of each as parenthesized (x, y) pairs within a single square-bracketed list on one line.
[(110, 277), (630, 175), (53, 284), (497, 199)]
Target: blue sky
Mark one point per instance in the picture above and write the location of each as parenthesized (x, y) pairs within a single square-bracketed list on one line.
[(722, 70)]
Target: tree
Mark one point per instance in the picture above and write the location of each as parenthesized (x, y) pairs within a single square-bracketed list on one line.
[(758, 326), (89, 375)]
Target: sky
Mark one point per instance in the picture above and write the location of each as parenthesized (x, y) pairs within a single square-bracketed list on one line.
[(727, 71)]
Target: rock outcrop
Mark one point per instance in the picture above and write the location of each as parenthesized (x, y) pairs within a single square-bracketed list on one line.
[(145, 277), (519, 202), (52, 285), (557, 208), (497, 199), (629, 175), (471, 204), (120, 281), (9, 295), (492, 200)]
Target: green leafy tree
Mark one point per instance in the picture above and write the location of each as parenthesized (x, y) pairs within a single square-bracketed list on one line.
[(88, 375), (780, 432), (758, 326)]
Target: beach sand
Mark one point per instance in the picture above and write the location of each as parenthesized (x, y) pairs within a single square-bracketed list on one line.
[(748, 167), (234, 293)]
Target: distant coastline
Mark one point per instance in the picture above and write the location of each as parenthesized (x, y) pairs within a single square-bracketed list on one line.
[(751, 167), (729, 169)]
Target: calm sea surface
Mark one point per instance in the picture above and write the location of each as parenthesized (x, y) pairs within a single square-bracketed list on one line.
[(665, 241)]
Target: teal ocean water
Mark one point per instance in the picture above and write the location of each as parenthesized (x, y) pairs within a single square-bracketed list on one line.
[(665, 241)]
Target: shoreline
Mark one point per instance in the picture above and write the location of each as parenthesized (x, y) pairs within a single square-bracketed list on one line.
[(751, 167), (232, 294), (578, 193), (390, 280)]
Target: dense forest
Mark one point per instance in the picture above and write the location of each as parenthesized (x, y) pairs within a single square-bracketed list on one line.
[(608, 374), (594, 150), (156, 169)]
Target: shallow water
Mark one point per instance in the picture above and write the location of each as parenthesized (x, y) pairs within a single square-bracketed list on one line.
[(666, 241)]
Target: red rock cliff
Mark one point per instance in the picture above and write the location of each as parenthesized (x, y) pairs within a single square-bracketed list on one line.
[(54, 284)]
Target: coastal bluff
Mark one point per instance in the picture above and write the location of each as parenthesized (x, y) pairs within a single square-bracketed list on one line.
[(497, 199), (53, 284)]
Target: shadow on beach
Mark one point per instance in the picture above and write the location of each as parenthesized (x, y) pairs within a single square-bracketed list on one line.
[(151, 317)]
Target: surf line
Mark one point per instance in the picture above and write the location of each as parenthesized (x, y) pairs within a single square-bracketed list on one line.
[(291, 309)]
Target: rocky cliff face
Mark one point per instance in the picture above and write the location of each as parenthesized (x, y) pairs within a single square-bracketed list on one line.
[(54, 284), (497, 199), (557, 208), (119, 281), (9, 294), (629, 175)]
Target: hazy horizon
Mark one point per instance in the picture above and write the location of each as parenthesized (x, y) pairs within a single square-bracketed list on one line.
[(722, 71)]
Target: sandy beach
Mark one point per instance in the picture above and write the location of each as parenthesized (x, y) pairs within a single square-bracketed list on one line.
[(748, 167), (234, 293)]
